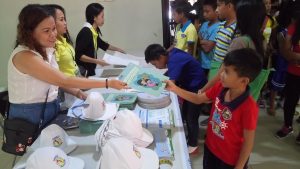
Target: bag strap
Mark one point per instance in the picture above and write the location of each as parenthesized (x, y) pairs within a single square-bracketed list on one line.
[(42, 115)]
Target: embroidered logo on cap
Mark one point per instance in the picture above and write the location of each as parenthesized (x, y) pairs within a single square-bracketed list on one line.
[(59, 161), (57, 141), (137, 152)]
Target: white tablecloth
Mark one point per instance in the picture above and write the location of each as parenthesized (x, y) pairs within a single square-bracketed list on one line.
[(86, 149)]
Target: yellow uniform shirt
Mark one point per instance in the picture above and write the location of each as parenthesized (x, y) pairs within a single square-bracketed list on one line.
[(186, 34), (95, 36), (65, 57), (268, 29)]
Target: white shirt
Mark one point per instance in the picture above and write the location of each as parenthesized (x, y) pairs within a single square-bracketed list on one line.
[(25, 89)]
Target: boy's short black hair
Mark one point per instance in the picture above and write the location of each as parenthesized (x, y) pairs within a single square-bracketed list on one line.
[(212, 3), (246, 62), (234, 2), (182, 6), (154, 51)]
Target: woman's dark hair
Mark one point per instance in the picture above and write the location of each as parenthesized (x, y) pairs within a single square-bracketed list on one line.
[(52, 10), (250, 18), (29, 18), (154, 51), (284, 18), (92, 11), (246, 62)]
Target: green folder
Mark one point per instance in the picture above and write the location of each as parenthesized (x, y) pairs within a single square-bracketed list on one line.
[(125, 100)]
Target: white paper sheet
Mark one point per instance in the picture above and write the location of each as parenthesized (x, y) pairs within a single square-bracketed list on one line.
[(118, 60)]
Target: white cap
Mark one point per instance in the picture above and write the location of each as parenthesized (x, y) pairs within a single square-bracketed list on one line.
[(129, 125), (97, 109), (120, 153), (54, 136), (52, 158), (101, 134), (96, 106)]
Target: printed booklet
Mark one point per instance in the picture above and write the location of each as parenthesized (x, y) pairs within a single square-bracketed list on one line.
[(145, 80)]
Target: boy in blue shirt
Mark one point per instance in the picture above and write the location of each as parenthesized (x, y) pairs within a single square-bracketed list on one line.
[(185, 71), (207, 40), (207, 34)]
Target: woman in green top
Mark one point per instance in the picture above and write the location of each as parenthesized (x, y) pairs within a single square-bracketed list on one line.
[(64, 51)]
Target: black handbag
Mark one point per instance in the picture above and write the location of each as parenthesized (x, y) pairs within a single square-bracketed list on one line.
[(20, 133)]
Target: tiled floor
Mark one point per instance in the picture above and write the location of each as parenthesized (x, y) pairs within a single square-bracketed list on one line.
[(269, 152)]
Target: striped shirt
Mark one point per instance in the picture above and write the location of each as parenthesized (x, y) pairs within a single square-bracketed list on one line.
[(224, 37)]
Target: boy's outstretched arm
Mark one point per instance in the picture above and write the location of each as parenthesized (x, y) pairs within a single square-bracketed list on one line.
[(189, 96), (246, 148)]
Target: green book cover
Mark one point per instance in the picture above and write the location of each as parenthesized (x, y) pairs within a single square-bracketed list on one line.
[(125, 100), (145, 80), (120, 98)]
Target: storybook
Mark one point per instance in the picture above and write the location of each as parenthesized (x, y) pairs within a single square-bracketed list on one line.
[(145, 80)]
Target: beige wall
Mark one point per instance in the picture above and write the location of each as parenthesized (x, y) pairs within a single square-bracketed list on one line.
[(129, 24)]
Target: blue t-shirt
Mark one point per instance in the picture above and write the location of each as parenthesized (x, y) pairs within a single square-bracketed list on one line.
[(185, 70), (208, 33)]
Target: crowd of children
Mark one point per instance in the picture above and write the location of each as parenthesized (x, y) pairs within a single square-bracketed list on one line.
[(241, 52)]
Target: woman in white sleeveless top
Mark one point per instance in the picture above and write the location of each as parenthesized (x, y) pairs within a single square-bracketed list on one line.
[(32, 69)]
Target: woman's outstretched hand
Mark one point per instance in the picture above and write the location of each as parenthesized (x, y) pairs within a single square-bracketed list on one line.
[(117, 84)]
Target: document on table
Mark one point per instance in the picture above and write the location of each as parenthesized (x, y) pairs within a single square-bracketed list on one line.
[(163, 143), (158, 118), (116, 60)]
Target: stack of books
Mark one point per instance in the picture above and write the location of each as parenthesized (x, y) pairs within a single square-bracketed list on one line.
[(147, 101)]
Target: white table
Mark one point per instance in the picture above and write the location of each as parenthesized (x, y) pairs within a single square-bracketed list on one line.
[(87, 144), (86, 149)]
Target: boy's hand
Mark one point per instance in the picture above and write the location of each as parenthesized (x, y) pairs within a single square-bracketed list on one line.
[(200, 91), (170, 86)]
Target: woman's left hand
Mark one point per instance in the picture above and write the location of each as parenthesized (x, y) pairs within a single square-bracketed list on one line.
[(81, 95), (117, 84)]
